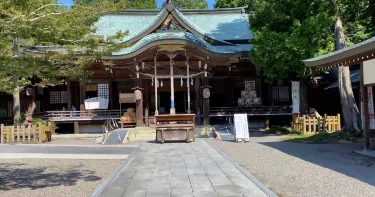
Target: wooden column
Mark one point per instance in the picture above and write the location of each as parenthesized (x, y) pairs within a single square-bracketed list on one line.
[(188, 85), (230, 93), (206, 104), (68, 95), (110, 99), (146, 93), (197, 100), (76, 127), (156, 88), (171, 56), (82, 95), (366, 118), (139, 99)]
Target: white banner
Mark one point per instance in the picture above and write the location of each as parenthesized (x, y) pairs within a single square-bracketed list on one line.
[(296, 96), (371, 107), (96, 103), (241, 126)]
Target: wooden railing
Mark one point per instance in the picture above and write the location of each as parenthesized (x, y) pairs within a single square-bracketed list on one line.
[(312, 125), (250, 111), (83, 115), (26, 134)]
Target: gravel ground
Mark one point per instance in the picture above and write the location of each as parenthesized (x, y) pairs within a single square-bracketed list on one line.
[(292, 169), (51, 177)]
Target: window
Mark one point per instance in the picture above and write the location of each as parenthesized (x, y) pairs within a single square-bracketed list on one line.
[(103, 91), (280, 94), (58, 97)]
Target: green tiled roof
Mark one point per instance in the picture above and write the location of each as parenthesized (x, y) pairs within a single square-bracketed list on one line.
[(220, 24), (185, 36)]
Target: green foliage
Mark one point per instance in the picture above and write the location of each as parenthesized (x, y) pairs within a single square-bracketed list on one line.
[(287, 32), (20, 120), (357, 20), (142, 4), (190, 4), (233, 3), (25, 23)]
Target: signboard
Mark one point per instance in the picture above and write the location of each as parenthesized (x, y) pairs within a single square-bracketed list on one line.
[(296, 96), (127, 98), (241, 126), (368, 72), (96, 103), (371, 107)]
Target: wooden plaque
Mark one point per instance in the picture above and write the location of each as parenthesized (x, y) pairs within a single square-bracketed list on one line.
[(127, 98)]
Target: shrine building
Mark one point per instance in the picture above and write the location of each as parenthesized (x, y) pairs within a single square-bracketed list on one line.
[(177, 61)]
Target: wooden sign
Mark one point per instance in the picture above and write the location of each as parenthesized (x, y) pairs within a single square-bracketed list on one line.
[(127, 98), (241, 127)]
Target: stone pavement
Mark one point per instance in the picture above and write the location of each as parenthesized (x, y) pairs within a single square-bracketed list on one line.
[(180, 170)]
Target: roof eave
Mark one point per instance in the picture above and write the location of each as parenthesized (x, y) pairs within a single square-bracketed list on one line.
[(338, 56)]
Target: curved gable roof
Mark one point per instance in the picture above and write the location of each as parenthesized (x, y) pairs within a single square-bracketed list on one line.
[(177, 36), (213, 25)]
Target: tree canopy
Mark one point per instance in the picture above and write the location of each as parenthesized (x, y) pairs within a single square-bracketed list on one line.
[(25, 24), (232, 3), (142, 4), (287, 32), (190, 4)]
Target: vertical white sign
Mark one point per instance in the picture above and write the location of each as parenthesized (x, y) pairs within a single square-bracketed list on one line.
[(296, 96), (241, 126), (371, 107)]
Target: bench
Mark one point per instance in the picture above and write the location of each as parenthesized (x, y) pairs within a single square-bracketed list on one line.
[(127, 124), (175, 127)]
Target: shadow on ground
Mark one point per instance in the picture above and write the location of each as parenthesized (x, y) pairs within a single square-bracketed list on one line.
[(337, 157), (18, 176)]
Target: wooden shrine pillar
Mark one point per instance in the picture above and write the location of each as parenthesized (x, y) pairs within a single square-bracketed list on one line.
[(82, 95), (188, 83), (68, 95), (146, 94), (206, 98), (138, 92), (197, 100), (173, 109)]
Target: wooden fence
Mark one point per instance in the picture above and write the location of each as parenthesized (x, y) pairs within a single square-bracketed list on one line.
[(26, 134), (313, 125)]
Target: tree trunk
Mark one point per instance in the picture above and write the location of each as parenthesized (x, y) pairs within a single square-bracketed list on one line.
[(349, 107), (16, 93)]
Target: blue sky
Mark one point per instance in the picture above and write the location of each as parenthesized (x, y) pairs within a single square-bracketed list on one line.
[(158, 2)]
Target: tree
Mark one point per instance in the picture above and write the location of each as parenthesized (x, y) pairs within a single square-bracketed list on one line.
[(358, 25), (189, 4), (232, 3), (142, 4), (45, 23), (287, 32)]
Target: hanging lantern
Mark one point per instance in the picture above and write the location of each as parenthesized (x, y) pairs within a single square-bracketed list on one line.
[(192, 83), (161, 83), (143, 65), (152, 81), (182, 82)]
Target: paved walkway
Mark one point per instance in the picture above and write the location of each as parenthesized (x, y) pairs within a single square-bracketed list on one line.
[(50, 151), (181, 170)]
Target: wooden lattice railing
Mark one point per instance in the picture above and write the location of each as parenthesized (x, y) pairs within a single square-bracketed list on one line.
[(313, 125), (26, 134)]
